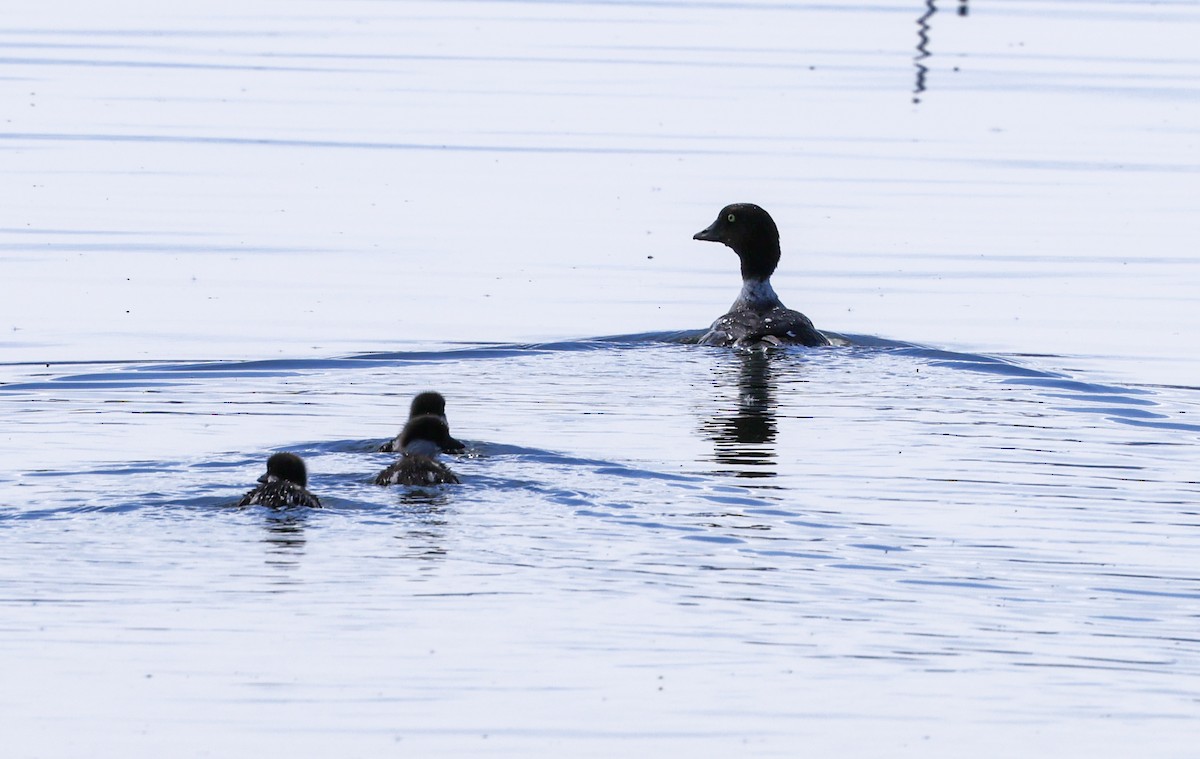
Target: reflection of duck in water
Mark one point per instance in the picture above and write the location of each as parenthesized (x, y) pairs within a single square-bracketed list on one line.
[(283, 485), (426, 403), (421, 440), (743, 433), (285, 532), (757, 317), (284, 540)]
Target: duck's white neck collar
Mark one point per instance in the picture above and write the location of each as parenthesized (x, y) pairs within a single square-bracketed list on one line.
[(756, 295)]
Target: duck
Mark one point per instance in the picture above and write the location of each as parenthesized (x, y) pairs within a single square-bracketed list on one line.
[(757, 317), (421, 440), (426, 403), (283, 486)]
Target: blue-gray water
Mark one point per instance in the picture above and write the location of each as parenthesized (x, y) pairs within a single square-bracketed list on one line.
[(235, 228)]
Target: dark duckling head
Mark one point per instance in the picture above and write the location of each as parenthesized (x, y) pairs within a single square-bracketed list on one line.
[(426, 435), (752, 234), (286, 466), (433, 403), (429, 402)]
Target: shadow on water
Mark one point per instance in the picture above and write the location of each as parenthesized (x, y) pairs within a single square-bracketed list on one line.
[(923, 39), (743, 429)]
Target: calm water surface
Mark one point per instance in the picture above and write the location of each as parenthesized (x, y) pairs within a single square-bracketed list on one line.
[(235, 228)]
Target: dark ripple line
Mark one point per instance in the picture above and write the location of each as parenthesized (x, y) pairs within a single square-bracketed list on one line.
[(1150, 593), (349, 145), (154, 33), (957, 584), (1180, 426), (42, 247), (94, 232), (1004, 163), (95, 63)]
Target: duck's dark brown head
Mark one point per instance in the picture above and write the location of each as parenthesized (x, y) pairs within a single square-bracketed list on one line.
[(286, 466), (752, 234)]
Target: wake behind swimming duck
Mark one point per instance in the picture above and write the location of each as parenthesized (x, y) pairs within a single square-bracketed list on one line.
[(757, 317), (283, 486), (421, 440)]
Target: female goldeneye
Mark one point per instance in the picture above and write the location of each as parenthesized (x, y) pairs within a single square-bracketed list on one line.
[(421, 440), (757, 316), (429, 402), (283, 485)]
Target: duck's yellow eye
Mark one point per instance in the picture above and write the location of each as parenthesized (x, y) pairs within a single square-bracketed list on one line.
[(729, 218)]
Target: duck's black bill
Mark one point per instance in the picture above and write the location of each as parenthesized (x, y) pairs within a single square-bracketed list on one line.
[(266, 476), (707, 234)]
